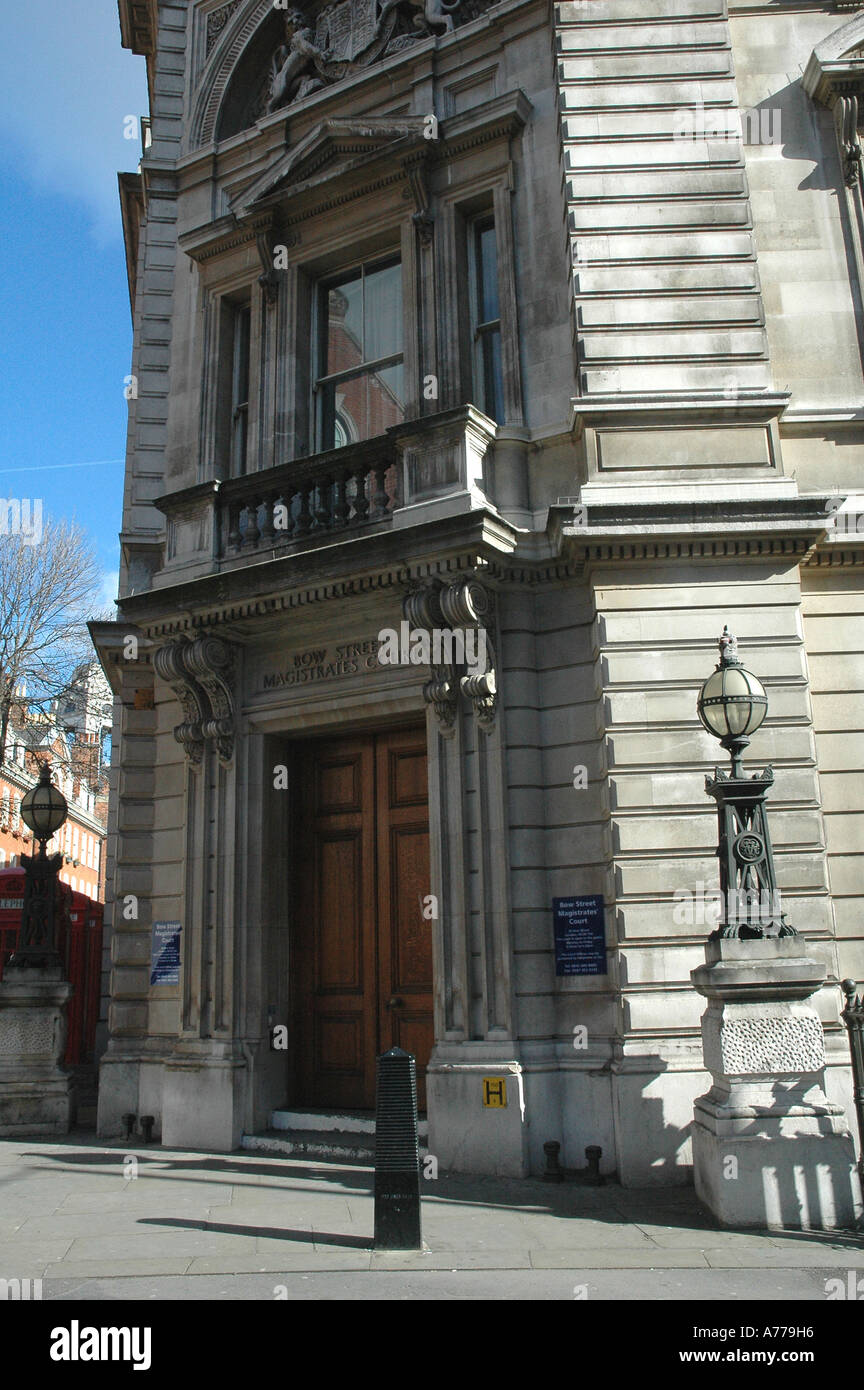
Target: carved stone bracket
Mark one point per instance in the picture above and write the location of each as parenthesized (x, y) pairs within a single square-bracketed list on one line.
[(846, 123), (269, 278), (463, 605), (415, 170), (200, 673)]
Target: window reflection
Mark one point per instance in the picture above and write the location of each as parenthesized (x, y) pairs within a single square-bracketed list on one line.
[(361, 388)]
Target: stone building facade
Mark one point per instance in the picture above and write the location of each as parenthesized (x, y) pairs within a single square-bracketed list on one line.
[(541, 323)]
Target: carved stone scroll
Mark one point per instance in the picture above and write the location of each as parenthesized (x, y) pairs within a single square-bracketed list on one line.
[(200, 674), (465, 604), (846, 123)]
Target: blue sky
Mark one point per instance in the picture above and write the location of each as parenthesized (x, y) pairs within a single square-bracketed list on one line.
[(66, 87)]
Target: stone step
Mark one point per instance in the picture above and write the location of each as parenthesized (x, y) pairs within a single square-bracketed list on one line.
[(341, 1122), (345, 1147)]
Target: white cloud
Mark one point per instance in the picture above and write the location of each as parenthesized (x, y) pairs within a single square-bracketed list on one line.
[(68, 86)]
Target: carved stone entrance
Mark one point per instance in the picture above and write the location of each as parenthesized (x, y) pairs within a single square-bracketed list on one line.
[(361, 946)]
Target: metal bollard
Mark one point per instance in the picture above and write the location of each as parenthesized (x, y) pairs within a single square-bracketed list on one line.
[(853, 1017), (147, 1123), (129, 1122), (397, 1154), (593, 1176), (553, 1169)]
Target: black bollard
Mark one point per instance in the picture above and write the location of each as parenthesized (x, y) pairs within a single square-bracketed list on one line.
[(553, 1168), (397, 1154), (147, 1123), (593, 1176), (129, 1122)]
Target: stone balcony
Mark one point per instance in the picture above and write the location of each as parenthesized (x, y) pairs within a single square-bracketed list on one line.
[(417, 472)]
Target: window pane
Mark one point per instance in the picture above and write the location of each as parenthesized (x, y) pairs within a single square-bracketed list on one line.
[(243, 324), (361, 407), (493, 383), (383, 312), (338, 428), (487, 274), (386, 400), (344, 311)]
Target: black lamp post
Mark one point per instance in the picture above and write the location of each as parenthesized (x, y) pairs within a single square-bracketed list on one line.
[(43, 810), (732, 705)]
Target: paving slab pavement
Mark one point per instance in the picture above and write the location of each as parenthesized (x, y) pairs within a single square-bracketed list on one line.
[(101, 1221)]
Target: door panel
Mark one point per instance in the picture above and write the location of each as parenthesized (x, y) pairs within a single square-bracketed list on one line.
[(334, 935), (405, 936), (363, 948)]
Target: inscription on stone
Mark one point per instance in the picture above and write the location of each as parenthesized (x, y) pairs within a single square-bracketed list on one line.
[(324, 664)]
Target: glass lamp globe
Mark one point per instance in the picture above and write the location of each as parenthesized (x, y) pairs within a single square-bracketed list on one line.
[(732, 702), (44, 808)]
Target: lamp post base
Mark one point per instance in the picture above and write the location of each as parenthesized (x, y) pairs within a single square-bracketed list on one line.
[(34, 1090), (769, 1148)]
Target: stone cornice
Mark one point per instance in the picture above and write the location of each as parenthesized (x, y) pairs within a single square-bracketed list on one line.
[(837, 554), (138, 24), (132, 211), (451, 545), (701, 407), (224, 235), (788, 527)]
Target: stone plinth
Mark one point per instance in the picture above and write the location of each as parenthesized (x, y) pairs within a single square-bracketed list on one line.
[(34, 1090), (769, 1148)]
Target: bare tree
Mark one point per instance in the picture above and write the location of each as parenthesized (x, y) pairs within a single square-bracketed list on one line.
[(48, 590)]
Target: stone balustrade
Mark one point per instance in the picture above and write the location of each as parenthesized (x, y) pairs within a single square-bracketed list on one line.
[(329, 493)]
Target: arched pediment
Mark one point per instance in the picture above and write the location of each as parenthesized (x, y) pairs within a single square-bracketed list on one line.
[(263, 59), (251, 32)]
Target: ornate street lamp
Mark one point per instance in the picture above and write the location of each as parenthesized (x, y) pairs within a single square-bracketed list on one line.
[(732, 705), (44, 810)]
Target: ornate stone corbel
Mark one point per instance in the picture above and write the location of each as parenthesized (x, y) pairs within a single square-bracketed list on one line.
[(200, 674), (464, 604), (169, 666), (211, 661), (846, 123), (422, 609), (469, 604), (423, 220), (269, 277)]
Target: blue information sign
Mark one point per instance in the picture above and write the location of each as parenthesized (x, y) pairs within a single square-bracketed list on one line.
[(580, 935), (165, 954)]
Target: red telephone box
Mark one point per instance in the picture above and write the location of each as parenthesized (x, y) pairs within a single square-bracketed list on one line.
[(79, 941)]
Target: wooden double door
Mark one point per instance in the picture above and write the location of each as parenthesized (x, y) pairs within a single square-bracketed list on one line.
[(362, 939)]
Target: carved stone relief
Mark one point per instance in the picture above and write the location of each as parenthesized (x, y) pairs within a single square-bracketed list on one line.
[(216, 21), (319, 48)]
